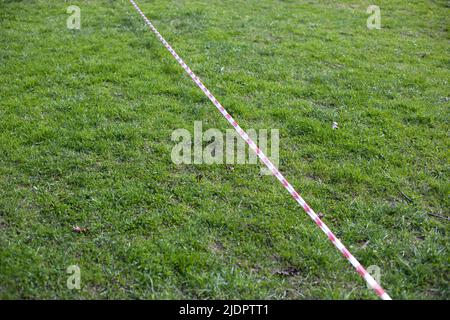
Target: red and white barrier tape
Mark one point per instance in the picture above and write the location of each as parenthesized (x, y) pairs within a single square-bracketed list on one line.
[(337, 243)]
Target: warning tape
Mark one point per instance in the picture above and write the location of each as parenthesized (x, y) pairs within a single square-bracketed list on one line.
[(336, 242)]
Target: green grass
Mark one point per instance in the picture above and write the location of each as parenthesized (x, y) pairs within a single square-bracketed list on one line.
[(86, 119)]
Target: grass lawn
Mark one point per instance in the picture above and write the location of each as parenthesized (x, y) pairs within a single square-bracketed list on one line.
[(86, 118)]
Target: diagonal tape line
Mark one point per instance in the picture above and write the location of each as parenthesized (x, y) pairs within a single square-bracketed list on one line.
[(336, 242)]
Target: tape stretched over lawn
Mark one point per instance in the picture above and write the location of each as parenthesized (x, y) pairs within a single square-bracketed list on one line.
[(336, 242)]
